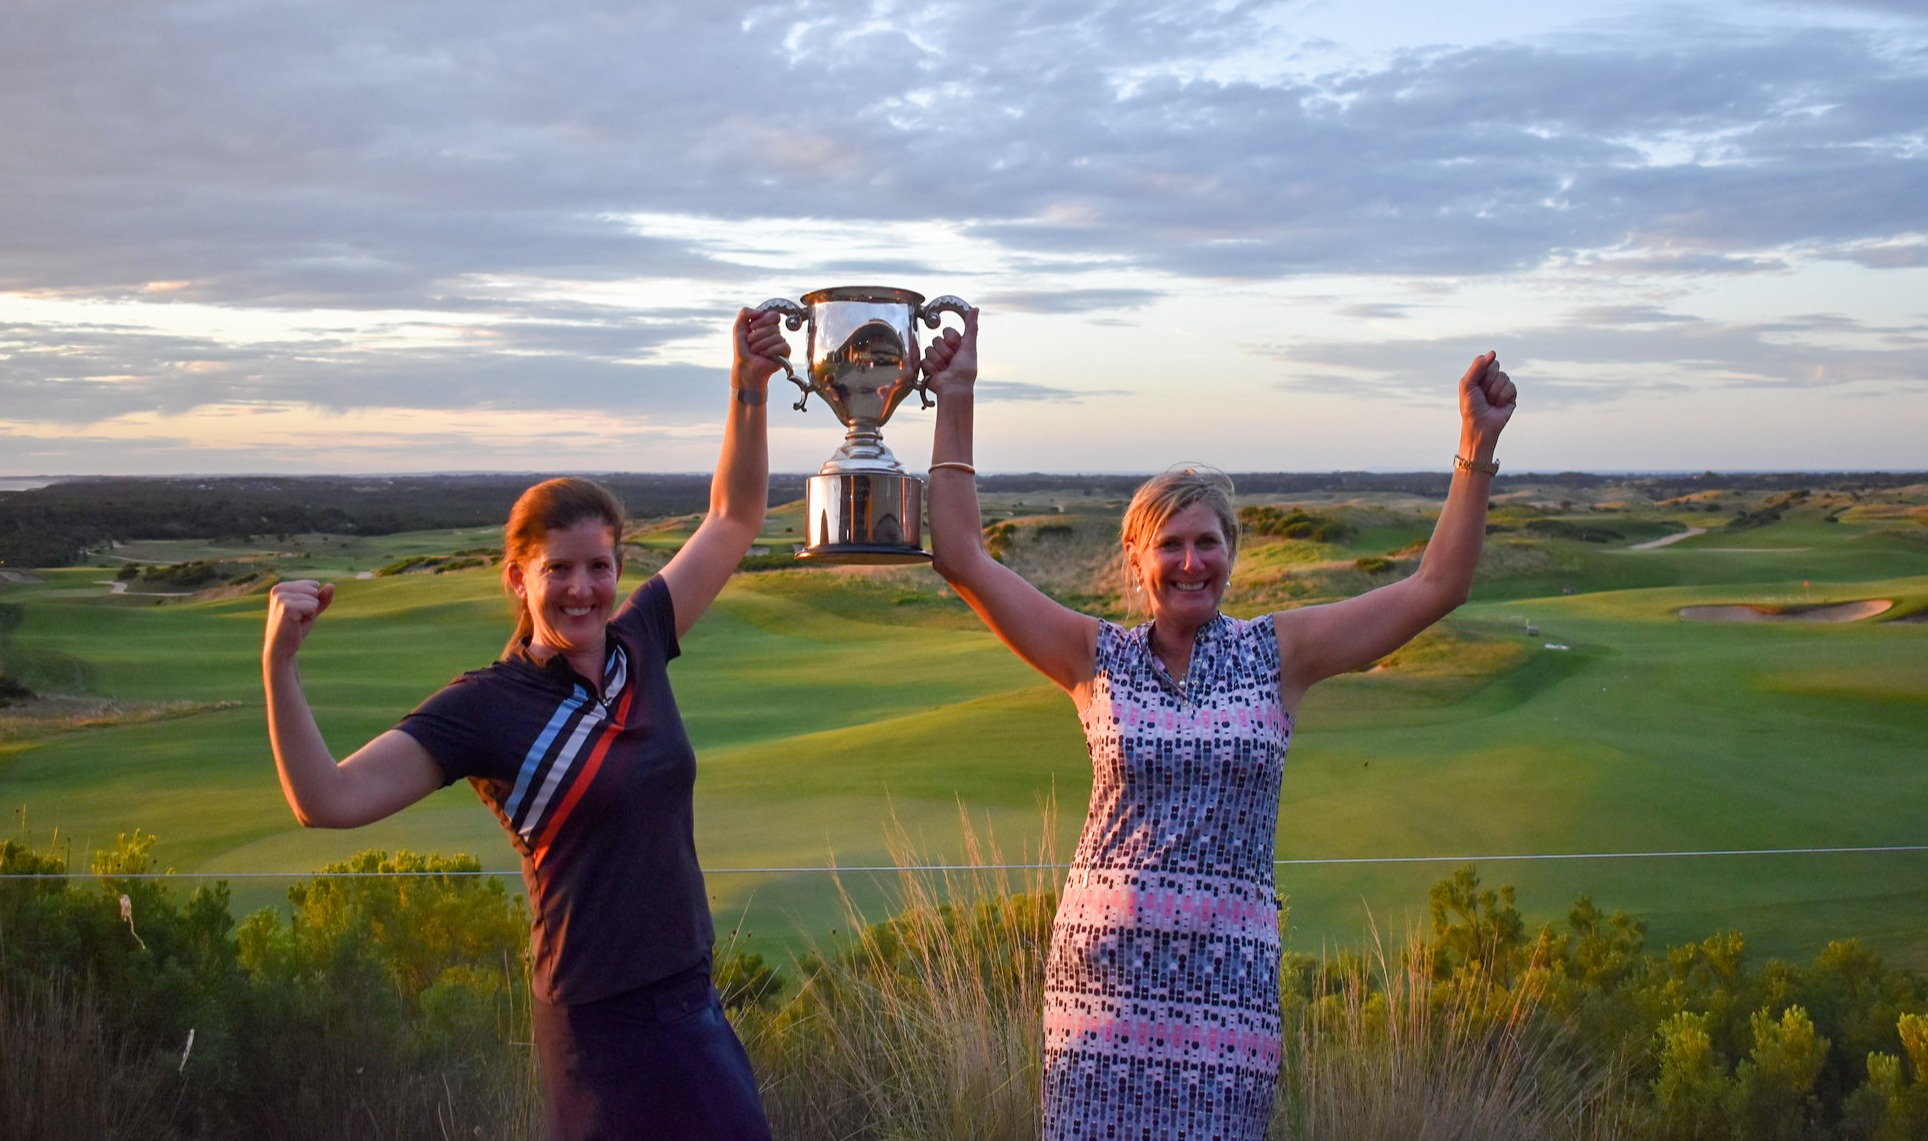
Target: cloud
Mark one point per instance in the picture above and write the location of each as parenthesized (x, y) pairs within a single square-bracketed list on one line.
[(1005, 391), (1626, 315), (1375, 311), (1071, 300), (1605, 355), (81, 375), (481, 164), (371, 154), (1906, 9)]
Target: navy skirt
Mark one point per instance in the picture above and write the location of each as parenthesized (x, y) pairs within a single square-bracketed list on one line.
[(660, 1061)]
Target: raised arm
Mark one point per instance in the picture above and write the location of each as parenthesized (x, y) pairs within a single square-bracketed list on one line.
[(740, 490), (1058, 642), (382, 777), (1318, 642)]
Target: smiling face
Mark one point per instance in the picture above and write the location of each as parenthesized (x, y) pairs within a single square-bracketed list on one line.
[(1183, 567), (569, 586)]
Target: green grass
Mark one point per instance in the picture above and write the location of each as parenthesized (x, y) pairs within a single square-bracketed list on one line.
[(827, 704)]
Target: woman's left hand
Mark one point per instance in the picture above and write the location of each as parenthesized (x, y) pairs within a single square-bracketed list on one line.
[(1487, 398), (950, 363)]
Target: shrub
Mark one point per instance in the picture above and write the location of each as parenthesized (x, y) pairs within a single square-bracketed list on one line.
[(12, 691), (1296, 523), (754, 564), (413, 564), (997, 539), (1567, 529), (386, 1003), (190, 575), (1748, 520)]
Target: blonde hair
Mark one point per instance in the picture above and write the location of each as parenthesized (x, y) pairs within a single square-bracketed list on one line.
[(1165, 495), (553, 505)]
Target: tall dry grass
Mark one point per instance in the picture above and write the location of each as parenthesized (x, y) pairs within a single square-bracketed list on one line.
[(925, 1026), (1385, 1050), (65, 1077)]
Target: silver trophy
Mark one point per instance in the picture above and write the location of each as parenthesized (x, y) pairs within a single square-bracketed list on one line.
[(863, 361)]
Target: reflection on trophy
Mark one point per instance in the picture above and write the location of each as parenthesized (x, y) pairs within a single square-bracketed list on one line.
[(863, 507)]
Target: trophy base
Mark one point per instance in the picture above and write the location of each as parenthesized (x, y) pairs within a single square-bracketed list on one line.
[(865, 517), (856, 554)]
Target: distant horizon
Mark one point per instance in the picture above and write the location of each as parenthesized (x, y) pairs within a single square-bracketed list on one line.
[(28, 482)]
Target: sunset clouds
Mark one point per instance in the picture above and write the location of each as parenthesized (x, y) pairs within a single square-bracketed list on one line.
[(500, 210)]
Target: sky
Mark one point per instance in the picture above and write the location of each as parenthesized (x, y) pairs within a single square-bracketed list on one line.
[(314, 236)]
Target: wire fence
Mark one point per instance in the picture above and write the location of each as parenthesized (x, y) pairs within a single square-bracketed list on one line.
[(848, 869)]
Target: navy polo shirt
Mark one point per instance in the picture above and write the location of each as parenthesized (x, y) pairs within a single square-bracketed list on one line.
[(597, 796)]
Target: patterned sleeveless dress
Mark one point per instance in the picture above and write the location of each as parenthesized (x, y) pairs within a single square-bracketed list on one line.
[(1161, 1000)]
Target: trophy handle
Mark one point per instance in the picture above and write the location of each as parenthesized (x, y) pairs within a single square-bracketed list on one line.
[(930, 313), (794, 317)]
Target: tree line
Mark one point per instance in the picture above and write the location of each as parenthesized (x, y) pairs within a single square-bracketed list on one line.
[(57, 524)]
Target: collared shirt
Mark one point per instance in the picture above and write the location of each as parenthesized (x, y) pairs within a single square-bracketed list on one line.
[(595, 792)]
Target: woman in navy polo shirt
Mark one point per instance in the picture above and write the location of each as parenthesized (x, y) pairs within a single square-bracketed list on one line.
[(573, 740)]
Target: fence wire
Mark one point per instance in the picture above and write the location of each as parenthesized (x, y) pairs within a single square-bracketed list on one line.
[(835, 869)]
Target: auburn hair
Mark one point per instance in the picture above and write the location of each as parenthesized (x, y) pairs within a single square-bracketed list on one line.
[(552, 505)]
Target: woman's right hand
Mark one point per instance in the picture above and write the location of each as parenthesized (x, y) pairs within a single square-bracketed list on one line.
[(292, 610), (950, 363), (761, 349)]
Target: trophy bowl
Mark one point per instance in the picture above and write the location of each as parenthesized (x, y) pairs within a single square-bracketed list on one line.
[(863, 361)]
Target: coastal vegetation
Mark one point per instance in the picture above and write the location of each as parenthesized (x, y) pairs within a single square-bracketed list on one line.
[(389, 1001)]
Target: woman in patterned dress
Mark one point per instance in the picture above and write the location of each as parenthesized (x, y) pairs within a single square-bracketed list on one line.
[(1161, 1007)]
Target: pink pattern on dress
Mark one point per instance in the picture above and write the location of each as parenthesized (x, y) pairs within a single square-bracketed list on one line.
[(1161, 1004)]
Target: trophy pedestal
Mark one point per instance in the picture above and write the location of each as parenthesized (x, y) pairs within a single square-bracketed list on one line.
[(865, 517)]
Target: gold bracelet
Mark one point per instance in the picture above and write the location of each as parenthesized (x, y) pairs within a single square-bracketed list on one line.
[(955, 465), (1488, 467)]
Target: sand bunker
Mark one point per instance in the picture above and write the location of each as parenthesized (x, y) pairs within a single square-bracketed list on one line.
[(1668, 540), (1826, 612)]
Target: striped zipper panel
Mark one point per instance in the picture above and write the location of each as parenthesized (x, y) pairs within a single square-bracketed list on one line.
[(564, 759)]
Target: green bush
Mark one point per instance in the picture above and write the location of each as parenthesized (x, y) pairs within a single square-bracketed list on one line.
[(754, 564), (12, 691), (1748, 520), (1295, 523), (1579, 532), (997, 539), (195, 575)]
